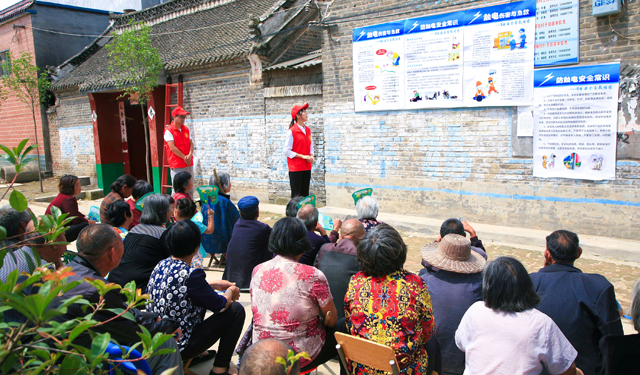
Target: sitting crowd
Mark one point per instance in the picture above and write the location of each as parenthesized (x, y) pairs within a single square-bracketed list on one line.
[(462, 314)]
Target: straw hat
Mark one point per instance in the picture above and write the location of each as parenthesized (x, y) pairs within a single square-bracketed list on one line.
[(453, 253)]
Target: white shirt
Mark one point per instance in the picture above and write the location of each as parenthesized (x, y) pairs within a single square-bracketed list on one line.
[(499, 343), (168, 137), (288, 143)]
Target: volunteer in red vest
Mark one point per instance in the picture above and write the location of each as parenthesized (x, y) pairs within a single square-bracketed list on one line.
[(298, 148), (179, 146)]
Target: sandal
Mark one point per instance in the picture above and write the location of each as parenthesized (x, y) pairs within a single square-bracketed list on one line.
[(202, 358)]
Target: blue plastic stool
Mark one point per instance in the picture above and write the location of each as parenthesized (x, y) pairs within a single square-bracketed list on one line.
[(115, 352)]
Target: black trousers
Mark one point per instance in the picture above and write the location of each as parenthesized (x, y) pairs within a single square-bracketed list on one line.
[(299, 182), (225, 326), (72, 232), (329, 350)]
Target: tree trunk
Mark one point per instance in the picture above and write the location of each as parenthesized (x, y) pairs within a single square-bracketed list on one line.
[(146, 143), (35, 130)]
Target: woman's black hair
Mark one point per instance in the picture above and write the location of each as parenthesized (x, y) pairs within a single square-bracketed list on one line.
[(118, 212), (181, 181), (122, 181), (140, 189), (292, 206), (183, 238), (289, 237), (186, 207), (507, 287), (381, 252), (67, 184), (170, 198), (155, 210)]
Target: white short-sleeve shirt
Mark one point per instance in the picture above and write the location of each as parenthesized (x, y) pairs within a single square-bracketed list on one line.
[(521, 343)]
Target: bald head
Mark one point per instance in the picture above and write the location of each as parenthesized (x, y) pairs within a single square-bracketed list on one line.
[(260, 359), (353, 230), (309, 216)]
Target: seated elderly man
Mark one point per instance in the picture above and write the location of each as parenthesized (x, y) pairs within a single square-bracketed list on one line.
[(309, 216), (249, 244), (15, 223), (338, 261), (367, 209), (583, 305), (99, 252), (260, 359), (461, 228)]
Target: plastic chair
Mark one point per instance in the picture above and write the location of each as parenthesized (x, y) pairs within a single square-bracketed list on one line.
[(365, 352), (115, 352)]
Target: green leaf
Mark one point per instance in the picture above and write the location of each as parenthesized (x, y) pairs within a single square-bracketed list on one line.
[(9, 153), (18, 201), (99, 344), (8, 363), (83, 326), (127, 315), (281, 361), (55, 212), (169, 371), (70, 365), (3, 234), (18, 150)]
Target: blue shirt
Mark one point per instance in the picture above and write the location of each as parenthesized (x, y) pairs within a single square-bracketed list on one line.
[(225, 216)]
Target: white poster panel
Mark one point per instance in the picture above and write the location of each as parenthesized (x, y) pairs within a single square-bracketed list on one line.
[(378, 67), (434, 51), (557, 32), (499, 54), (575, 122)]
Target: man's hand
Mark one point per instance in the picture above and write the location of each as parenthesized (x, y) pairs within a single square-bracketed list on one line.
[(320, 229), (222, 284), (310, 158), (337, 225), (469, 229), (187, 159)]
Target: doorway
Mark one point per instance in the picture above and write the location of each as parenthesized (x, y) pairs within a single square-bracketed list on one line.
[(136, 142)]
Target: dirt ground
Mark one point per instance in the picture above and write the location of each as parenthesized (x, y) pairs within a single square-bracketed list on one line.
[(32, 189), (621, 276)]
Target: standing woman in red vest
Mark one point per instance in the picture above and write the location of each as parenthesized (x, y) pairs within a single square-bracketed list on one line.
[(298, 148), (179, 146)]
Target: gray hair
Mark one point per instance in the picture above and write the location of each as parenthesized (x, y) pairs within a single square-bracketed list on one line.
[(94, 240), (309, 216), (367, 208), (634, 310), (155, 210), (11, 219), (223, 178)]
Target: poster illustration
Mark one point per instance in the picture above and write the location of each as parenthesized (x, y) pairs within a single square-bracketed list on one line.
[(557, 32), (434, 53), (378, 67), (575, 122), (499, 54)]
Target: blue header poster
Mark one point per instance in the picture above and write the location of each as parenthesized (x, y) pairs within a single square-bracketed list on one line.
[(575, 122), (499, 54), (557, 32)]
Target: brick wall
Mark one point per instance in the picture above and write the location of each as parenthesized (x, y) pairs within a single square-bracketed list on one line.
[(458, 162), (71, 129), (16, 116), (309, 41)]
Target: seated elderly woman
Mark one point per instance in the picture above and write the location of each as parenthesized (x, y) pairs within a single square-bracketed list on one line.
[(505, 334), (225, 216), (144, 246), (182, 185), (181, 292), (15, 223), (367, 210), (387, 304), (185, 209), (290, 299), (69, 187), (120, 217)]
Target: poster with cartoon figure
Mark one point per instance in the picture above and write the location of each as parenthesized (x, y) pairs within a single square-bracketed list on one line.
[(575, 122), (379, 67), (499, 54), (434, 54)]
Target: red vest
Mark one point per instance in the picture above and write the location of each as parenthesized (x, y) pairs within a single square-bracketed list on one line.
[(302, 146), (183, 143)]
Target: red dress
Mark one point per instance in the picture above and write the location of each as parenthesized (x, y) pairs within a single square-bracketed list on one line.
[(178, 196)]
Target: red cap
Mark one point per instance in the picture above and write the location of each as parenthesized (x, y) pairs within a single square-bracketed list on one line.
[(298, 108), (179, 111)]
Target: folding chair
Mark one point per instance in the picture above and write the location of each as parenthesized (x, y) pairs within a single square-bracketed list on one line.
[(365, 352)]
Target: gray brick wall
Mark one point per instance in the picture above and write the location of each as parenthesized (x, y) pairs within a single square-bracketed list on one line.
[(458, 163)]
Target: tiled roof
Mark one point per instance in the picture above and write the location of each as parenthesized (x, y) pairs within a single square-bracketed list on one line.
[(15, 10), (313, 58), (195, 32)]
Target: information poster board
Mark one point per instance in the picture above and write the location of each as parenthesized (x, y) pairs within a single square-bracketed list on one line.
[(434, 49), (575, 122), (557, 32), (499, 44)]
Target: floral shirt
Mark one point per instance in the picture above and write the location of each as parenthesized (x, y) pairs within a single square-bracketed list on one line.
[(286, 297), (370, 223), (395, 311)]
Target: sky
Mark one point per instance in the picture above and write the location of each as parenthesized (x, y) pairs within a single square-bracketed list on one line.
[(7, 3)]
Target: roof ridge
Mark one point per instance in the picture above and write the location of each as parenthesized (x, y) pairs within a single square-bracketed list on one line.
[(166, 11)]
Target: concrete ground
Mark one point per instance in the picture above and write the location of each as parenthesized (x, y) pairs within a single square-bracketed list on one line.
[(618, 260)]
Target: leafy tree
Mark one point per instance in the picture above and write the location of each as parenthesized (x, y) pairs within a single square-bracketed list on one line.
[(29, 85), (135, 66)]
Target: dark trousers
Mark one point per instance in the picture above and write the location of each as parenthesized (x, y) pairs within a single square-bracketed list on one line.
[(72, 232), (329, 350), (299, 182), (225, 326)]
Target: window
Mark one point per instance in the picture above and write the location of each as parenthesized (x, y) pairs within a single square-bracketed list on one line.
[(3, 58)]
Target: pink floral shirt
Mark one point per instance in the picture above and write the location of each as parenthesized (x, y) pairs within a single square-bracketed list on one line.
[(286, 297)]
